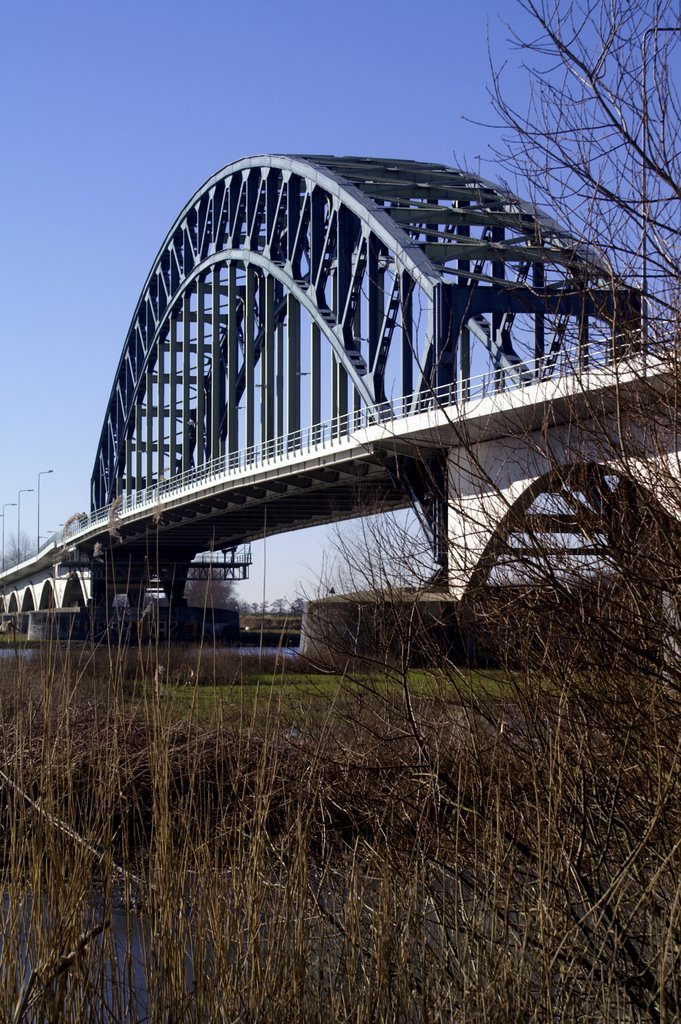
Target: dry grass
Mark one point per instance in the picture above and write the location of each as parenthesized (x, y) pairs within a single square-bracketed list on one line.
[(317, 863)]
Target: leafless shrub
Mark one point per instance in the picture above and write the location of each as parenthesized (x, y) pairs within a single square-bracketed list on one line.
[(72, 523), (113, 524)]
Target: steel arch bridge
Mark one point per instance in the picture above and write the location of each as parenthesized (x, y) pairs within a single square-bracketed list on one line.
[(309, 339), (296, 289)]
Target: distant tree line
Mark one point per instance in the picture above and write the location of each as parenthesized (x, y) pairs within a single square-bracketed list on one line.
[(280, 606)]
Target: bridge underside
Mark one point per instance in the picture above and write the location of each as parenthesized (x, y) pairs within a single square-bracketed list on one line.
[(160, 544), (224, 518)]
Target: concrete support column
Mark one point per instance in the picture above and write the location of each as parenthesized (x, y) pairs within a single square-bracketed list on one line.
[(488, 482)]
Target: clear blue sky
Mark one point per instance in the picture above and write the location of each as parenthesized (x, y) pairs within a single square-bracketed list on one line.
[(114, 114)]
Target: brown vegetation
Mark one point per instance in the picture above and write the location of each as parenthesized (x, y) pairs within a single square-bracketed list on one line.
[(440, 851)]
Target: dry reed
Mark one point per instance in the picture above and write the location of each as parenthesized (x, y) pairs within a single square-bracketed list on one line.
[(167, 866)]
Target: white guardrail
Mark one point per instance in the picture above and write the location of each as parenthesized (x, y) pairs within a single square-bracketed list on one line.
[(322, 436)]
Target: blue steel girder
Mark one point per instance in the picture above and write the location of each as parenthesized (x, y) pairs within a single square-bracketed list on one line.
[(367, 253)]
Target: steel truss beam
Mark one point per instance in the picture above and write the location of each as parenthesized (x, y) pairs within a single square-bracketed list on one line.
[(370, 278)]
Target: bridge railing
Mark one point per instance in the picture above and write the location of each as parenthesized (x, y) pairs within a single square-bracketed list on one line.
[(319, 437)]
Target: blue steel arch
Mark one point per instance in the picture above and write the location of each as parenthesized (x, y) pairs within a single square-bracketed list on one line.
[(411, 273)]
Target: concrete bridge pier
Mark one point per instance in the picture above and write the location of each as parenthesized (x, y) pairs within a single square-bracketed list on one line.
[(118, 580), (172, 576), (492, 484), (478, 505), (628, 494), (134, 573)]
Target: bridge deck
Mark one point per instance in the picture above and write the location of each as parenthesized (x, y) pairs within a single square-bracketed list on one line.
[(338, 470)]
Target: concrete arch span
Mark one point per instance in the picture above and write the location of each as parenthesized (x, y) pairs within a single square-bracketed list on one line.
[(20, 600), (47, 596), (74, 593), (579, 521), (47, 590), (582, 572)]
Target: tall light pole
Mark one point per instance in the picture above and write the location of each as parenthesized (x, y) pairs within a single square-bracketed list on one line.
[(43, 472), (24, 490), (10, 504)]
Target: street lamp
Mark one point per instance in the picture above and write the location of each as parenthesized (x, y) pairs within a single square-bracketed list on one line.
[(10, 504), (24, 490), (43, 472)]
